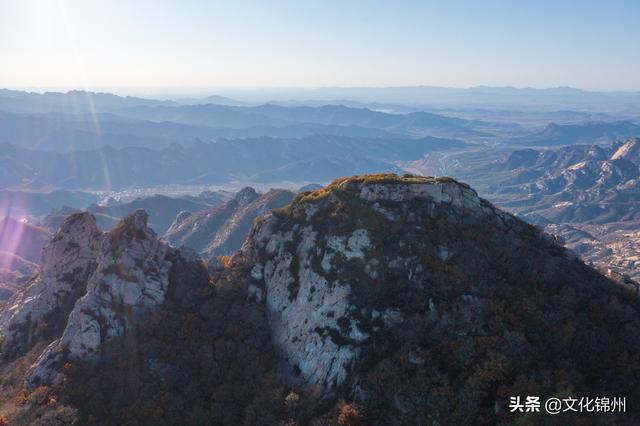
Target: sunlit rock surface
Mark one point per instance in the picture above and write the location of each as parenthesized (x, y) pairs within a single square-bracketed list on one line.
[(67, 262)]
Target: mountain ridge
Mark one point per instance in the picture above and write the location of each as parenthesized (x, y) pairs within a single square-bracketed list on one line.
[(222, 229), (392, 298)]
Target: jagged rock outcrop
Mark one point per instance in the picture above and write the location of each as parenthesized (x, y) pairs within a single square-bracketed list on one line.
[(222, 230), (93, 285), (130, 277), (67, 261)]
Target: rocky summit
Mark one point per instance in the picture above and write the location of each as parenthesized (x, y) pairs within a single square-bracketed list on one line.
[(378, 299), (131, 275), (92, 287), (47, 301)]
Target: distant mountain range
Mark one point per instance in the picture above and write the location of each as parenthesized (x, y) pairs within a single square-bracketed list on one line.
[(578, 184), (20, 204), (75, 101), (314, 158), (219, 116), (582, 133), (79, 120), (63, 132), (86, 120), (550, 99)]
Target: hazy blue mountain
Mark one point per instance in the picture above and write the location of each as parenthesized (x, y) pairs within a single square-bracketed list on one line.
[(78, 119), (56, 217), (207, 115), (582, 133), (550, 99), (62, 132), (315, 158), (22, 203), (416, 123), (310, 187), (213, 99), (75, 101), (407, 97)]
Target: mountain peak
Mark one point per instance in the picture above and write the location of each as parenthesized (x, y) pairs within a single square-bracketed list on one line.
[(393, 187), (343, 266), (246, 195), (66, 263), (135, 225), (76, 224), (87, 279)]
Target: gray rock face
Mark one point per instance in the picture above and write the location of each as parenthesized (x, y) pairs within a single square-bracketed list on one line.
[(67, 262), (132, 273), (316, 304), (308, 269), (131, 276), (440, 192)]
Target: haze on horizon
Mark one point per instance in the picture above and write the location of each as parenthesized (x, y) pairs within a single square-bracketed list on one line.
[(200, 44)]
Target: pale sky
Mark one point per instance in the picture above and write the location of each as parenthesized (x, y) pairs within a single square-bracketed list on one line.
[(89, 44)]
